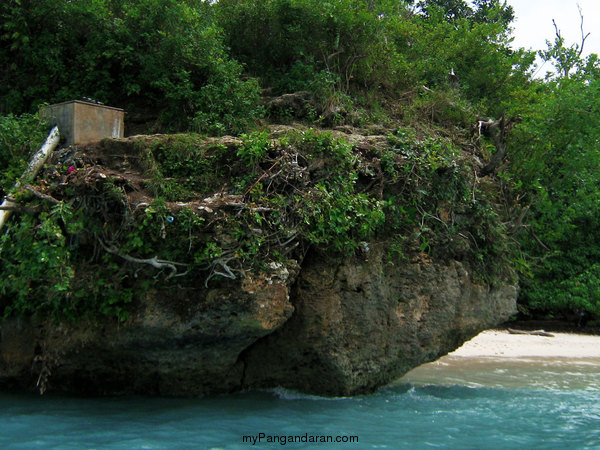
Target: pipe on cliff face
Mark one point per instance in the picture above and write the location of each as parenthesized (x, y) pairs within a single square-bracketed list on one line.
[(30, 173)]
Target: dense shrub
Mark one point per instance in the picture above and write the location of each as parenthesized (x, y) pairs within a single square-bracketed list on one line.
[(557, 164), (20, 137), (162, 55), (378, 46), (291, 44)]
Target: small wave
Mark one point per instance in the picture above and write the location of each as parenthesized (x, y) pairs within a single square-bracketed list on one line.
[(290, 394)]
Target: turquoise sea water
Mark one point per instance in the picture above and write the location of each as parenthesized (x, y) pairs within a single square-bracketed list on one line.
[(465, 404)]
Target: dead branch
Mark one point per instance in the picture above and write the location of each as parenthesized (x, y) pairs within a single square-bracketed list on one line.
[(154, 262), (46, 197), (538, 240), (45, 372), (31, 171), (349, 67), (556, 30), (19, 209), (519, 222), (532, 333), (583, 36), (334, 54), (262, 176), (223, 262), (579, 48)]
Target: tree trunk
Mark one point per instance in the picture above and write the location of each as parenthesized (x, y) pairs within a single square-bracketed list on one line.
[(497, 131), (34, 167)]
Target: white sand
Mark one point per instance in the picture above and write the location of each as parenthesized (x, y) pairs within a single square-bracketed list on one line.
[(497, 343), (500, 359)]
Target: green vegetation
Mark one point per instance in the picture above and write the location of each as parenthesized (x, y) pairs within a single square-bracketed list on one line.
[(225, 209), (429, 184), (20, 137), (557, 168), (163, 55)]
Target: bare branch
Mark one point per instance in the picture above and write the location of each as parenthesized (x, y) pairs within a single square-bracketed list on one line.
[(497, 131), (556, 30), (154, 262), (17, 208), (518, 224), (36, 163), (533, 333), (583, 36), (262, 177), (334, 54), (539, 241), (223, 263), (46, 197)]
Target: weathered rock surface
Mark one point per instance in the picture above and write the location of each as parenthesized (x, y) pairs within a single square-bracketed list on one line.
[(360, 325), (173, 345), (339, 327)]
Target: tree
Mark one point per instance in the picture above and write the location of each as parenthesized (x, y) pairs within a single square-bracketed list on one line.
[(481, 11), (498, 11), (166, 55), (555, 157), (565, 58), (452, 10)]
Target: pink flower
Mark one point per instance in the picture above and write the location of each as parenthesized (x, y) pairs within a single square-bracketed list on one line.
[(71, 169)]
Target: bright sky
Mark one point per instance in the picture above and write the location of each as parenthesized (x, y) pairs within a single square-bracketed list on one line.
[(533, 23)]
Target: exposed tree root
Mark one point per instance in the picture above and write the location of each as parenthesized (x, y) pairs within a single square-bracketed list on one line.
[(154, 262)]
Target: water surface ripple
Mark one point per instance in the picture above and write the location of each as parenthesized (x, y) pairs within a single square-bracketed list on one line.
[(467, 404)]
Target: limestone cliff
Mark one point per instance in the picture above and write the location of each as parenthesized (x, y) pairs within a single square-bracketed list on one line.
[(359, 325), (339, 328), (333, 311)]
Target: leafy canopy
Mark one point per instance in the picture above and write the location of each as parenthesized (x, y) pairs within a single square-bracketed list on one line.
[(163, 55)]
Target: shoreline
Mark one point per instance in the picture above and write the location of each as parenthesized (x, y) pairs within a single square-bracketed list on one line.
[(499, 359), (551, 325), (502, 344)]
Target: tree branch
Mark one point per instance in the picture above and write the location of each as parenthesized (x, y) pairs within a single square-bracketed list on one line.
[(154, 262), (46, 197), (583, 37), (34, 167), (17, 208), (223, 261)]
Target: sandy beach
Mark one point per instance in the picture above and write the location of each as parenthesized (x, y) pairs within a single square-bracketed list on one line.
[(499, 359), (500, 343)]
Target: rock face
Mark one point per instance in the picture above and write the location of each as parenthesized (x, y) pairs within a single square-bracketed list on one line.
[(360, 326), (335, 327), (172, 346)]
